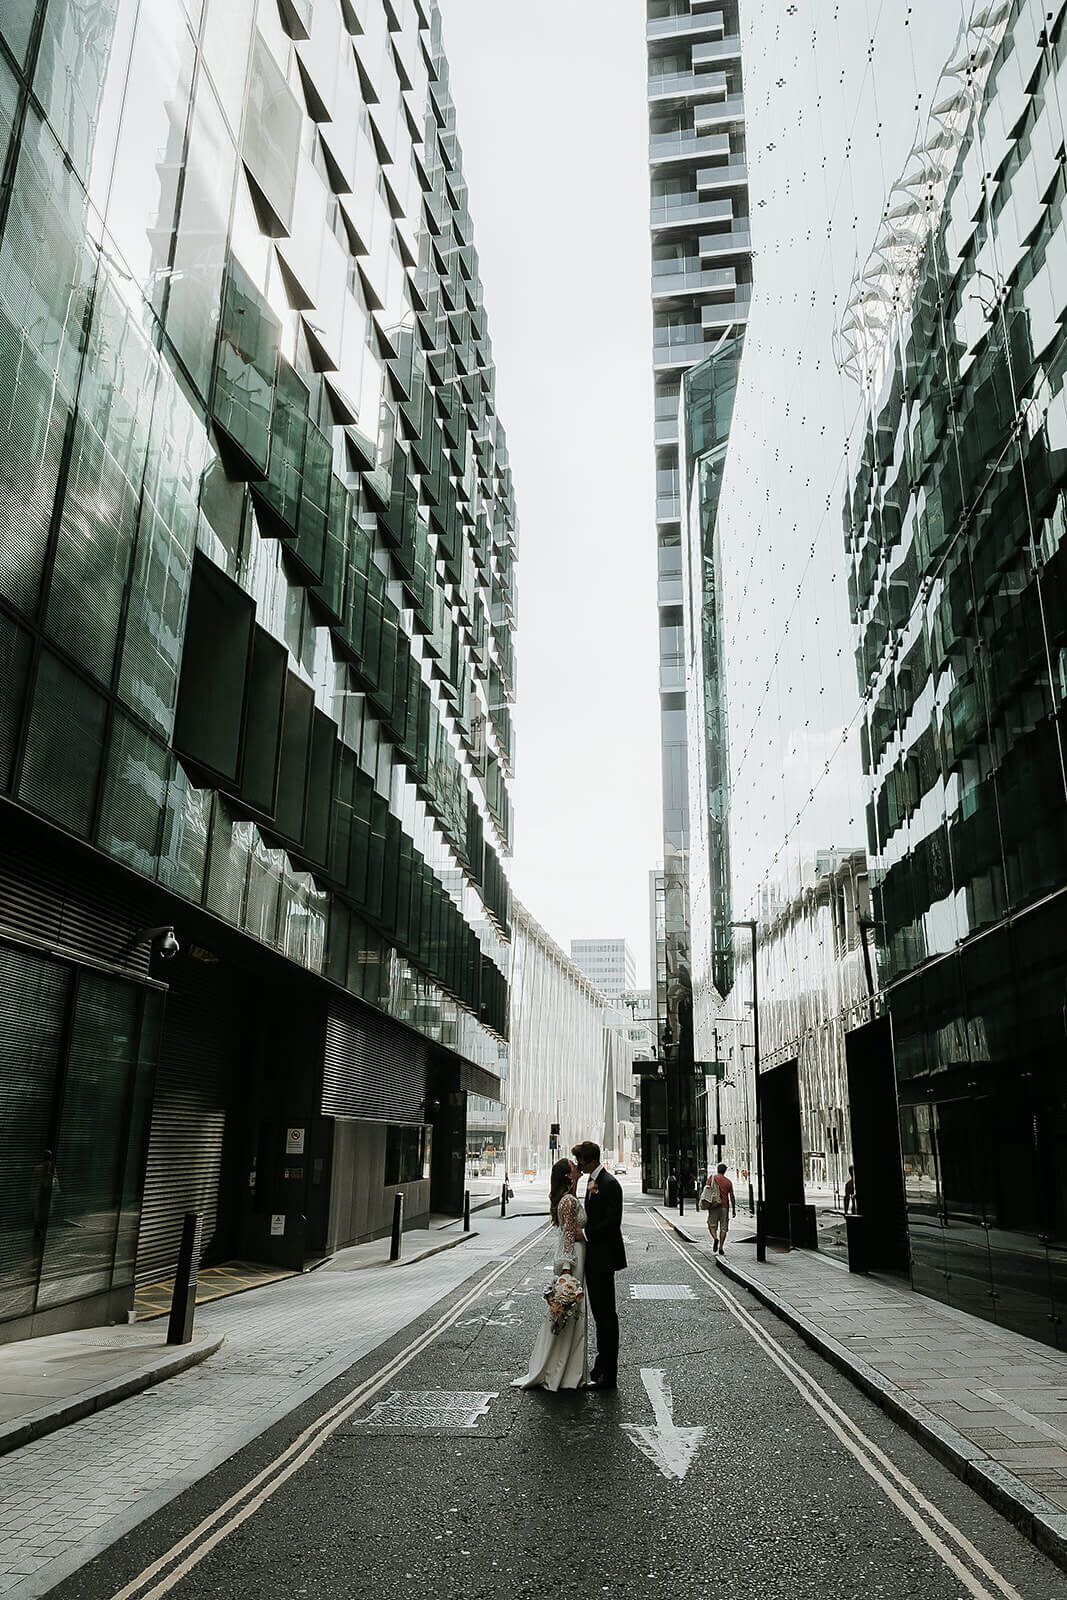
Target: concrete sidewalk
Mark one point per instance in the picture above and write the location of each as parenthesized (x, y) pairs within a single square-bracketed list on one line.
[(989, 1403), (50, 1382)]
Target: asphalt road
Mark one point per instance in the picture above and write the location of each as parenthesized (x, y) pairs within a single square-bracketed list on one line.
[(797, 1487)]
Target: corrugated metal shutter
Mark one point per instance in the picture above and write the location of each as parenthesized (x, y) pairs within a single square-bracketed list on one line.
[(373, 1069), (189, 1110)]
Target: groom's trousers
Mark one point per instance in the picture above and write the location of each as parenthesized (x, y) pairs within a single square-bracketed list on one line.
[(600, 1287)]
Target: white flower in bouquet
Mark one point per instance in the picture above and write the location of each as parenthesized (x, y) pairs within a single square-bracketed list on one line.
[(564, 1297)]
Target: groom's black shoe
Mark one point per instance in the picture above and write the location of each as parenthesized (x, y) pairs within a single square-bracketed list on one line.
[(602, 1383)]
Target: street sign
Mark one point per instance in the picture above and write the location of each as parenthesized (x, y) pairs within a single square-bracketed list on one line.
[(710, 1069), (718, 1139)]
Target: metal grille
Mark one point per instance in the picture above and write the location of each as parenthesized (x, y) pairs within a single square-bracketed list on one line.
[(373, 1069), (661, 1291), (189, 1114), (431, 1408)]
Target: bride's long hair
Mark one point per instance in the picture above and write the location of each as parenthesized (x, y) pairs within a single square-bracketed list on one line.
[(560, 1182)]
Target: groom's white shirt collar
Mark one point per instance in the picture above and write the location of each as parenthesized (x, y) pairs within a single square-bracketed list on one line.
[(595, 1174)]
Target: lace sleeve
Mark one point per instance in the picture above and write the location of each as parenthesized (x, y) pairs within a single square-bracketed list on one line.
[(568, 1222)]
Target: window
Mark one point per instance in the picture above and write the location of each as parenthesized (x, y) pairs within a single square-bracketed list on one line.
[(407, 1154)]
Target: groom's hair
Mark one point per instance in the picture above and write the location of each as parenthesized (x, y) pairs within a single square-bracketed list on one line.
[(587, 1151)]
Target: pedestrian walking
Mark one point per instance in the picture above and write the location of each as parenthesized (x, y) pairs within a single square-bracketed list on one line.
[(850, 1192), (718, 1201)]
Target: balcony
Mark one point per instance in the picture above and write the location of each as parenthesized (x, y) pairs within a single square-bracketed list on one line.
[(709, 22), (683, 85), (668, 507), (717, 50), (728, 242), (673, 210), (693, 281), (690, 146), (724, 173), (667, 430)]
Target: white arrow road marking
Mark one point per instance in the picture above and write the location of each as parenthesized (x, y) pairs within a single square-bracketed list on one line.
[(667, 1446)]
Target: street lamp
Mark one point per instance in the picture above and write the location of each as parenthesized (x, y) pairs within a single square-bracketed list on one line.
[(761, 1217)]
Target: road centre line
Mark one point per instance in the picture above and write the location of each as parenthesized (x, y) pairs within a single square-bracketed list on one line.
[(270, 1478), (871, 1458)]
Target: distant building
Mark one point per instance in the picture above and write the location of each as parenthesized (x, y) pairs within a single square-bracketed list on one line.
[(570, 1062), (608, 964)]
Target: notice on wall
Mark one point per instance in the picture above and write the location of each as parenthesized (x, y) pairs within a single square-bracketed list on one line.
[(277, 1224), (294, 1141)]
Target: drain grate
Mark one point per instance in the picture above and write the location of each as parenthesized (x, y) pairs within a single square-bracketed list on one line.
[(431, 1408), (661, 1291)]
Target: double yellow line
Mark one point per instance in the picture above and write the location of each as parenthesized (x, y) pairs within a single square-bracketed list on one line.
[(929, 1523), (175, 1564)]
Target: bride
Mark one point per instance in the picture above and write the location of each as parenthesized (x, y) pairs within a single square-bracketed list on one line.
[(559, 1360)]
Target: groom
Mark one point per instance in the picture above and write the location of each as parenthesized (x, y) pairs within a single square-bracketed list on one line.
[(605, 1255)]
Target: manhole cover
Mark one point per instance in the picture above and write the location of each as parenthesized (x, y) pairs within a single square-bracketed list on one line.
[(661, 1291), (431, 1408)]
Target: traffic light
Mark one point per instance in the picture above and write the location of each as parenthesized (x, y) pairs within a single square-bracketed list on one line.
[(553, 1136)]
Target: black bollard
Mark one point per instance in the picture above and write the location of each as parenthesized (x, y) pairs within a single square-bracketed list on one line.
[(503, 1199), (466, 1211), (681, 1199), (183, 1301), (761, 1231), (397, 1238)]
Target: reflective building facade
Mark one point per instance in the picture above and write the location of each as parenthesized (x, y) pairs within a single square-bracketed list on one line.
[(257, 541), (891, 532)]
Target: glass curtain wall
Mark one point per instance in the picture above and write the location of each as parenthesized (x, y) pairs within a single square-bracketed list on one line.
[(258, 530)]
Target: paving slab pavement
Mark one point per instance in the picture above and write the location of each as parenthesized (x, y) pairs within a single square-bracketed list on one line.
[(49, 1382), (989, 1403)]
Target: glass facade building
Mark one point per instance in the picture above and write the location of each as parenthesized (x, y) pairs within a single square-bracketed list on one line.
[(701, 288), (890, 528), (257, 546)]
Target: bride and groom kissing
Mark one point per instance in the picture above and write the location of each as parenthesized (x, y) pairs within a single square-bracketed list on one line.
[(587, 1217)]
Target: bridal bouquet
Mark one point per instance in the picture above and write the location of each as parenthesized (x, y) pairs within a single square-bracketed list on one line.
[(564, 1297)]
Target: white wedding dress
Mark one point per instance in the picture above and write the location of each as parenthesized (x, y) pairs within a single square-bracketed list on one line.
[(559, 1360)]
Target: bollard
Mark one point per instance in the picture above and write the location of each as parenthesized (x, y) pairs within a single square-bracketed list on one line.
[(503, 1199), (803, 1227), (183, 1301), (681, 1200), (466, 1211), (397, 1239), (761, 1231)]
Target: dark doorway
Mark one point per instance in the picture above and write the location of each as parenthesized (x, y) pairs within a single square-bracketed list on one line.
[(447, 1109), (783, 1145), (873, 1118)]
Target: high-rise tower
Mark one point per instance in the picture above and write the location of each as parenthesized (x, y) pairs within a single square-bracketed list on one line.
[(701, 285)]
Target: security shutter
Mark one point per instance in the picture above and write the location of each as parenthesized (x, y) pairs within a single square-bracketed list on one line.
[(373, 1069), (189, 1111)]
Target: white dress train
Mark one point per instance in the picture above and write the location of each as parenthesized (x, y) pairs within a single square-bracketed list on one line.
[(560, 1360)]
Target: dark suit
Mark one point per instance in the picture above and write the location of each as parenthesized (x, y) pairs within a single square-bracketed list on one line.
[(605, 1255)]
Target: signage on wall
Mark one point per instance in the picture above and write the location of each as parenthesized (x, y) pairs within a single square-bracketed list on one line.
[(277, 1224), (294, 1141)]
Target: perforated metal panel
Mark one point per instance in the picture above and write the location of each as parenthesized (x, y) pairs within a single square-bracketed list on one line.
[(661, 1291), (431, 1408)]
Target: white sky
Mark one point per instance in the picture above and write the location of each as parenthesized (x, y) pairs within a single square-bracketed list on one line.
[(550, 111)]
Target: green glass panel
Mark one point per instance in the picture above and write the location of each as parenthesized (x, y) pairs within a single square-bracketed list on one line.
[(242, 402), (64, 747), (135, 786)]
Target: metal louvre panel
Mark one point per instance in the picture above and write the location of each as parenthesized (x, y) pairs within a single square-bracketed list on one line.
[(79, 908), (478, 1080), (373, 1069), (189, 1111)]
